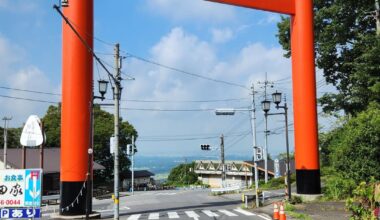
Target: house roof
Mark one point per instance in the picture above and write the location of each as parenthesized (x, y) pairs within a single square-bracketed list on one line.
[(261, 166), (52, 159), (137, 174)]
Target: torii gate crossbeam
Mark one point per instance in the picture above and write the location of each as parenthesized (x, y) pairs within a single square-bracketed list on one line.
[(304, 87)]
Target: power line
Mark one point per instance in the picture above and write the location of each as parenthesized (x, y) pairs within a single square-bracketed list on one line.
[(153, 62), (30, 91), (166, 110), (27, 99), (184, 72), (187, 139), (131, 100), (186, 135)]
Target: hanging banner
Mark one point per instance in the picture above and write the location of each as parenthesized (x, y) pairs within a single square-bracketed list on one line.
[(20, 188)]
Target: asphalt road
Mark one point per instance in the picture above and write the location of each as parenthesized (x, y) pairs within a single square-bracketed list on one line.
[(178, 204)]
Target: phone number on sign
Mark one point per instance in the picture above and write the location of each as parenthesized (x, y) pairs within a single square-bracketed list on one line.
[(10, 202)]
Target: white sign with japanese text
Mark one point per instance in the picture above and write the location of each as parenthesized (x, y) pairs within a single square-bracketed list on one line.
[(20, 188)]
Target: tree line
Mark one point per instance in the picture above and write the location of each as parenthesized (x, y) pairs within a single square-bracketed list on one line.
[(103, 130)]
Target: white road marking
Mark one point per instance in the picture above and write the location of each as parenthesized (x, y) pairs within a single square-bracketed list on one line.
[(210, 213), (134, 217), (192, 214), (244, 212), (264, 217), (166, 194), (228, 213), (154, 215), (173, 215), (111, 210)]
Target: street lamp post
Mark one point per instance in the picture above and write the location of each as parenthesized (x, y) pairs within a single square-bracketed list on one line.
[(102, 86), (277, 100), (266, 106)]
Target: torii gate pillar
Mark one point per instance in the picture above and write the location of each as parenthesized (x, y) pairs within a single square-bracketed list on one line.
[(304, 86), (77, 71)]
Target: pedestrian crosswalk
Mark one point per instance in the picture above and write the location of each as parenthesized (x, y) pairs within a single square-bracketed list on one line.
[(235, 213)]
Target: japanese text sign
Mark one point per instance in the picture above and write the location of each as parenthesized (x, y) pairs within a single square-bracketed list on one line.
[(20, 188)]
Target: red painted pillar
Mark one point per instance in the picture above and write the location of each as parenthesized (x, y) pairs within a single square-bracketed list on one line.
[(304, 99), (76, 101)]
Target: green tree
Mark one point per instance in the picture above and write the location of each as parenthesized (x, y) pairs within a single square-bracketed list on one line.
[(103, 130), (355, 153), (13, 137), (183, 174), (52, 126), (347, 50)]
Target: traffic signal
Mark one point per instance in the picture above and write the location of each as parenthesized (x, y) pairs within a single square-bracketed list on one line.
[(205, 147), (131, 149), (259, 153)]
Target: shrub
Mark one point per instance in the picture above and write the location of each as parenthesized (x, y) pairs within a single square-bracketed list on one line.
[(337, 188), (363, 202)]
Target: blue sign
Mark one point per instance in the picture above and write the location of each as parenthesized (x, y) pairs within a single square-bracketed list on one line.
[(8, 213), (32, 188)]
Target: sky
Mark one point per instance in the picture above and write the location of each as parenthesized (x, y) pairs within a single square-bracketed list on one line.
[(226, 43)]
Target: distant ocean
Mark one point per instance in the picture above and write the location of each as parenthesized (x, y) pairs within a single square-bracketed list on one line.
[(161, 166)]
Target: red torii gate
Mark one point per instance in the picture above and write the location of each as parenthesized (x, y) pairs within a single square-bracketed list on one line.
[(304, 87), (77, 77)]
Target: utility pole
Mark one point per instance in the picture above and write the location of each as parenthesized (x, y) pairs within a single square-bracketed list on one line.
[(117, 95), (133, 162), (266, 84), (222, 160), (254, 140), (377, 17), (287, 152), (6, 119)]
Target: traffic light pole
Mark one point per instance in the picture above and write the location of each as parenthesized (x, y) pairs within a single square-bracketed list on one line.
[(222, 160), (133, 162)]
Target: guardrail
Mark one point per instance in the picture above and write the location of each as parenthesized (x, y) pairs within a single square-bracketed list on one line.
[(226, 189)]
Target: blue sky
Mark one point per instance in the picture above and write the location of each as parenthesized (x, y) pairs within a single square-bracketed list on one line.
[(222, 42)]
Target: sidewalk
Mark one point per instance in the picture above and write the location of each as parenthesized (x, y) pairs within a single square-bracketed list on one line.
[(314, 210)]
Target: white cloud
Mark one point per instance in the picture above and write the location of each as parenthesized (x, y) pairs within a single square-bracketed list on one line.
[(10, 54), (192, 10), (188, 52), (15, 74), (270, 19), (221, 35)]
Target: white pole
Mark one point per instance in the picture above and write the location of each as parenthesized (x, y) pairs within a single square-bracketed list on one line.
[(116, 149), (266, 148), (5, 140), (133, 161)]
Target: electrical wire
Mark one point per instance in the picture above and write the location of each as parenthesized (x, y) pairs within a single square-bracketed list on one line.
[(185, 72), (186, 139), (28, 99), (132, 100)]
